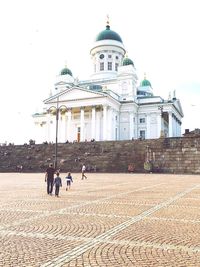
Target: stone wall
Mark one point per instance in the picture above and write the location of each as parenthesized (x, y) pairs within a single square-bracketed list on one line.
[(168, 155)]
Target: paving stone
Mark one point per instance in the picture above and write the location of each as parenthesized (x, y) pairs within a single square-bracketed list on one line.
[(142, 220)]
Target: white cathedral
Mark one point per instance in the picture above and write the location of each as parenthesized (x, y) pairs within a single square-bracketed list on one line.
[(109, 106)]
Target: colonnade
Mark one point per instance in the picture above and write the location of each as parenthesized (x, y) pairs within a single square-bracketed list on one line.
[(174, 125), (72, 129), (102, 123)]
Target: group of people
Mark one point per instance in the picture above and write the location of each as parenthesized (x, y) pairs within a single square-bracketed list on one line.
[(57, 181)]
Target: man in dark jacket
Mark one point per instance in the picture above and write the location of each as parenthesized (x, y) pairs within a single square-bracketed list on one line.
[(49, 178)]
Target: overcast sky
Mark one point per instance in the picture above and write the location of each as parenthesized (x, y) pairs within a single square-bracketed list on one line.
[(39, 36)]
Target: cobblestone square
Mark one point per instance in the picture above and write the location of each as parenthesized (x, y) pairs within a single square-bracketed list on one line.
[(113, 220)]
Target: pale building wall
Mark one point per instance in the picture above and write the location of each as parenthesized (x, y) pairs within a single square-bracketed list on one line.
[(153, 126), (119, 126)]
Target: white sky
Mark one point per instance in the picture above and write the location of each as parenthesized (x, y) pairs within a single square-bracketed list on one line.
[(39, 36)]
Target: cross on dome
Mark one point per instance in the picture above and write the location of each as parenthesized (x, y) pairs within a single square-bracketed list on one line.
[(108, 22)]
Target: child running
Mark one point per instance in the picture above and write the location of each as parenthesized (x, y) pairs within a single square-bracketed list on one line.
[(83, 172), (69, 180), (58, 184)]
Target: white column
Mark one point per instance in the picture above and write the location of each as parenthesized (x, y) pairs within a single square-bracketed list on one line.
[(116, 120), (69, 118), (148, 123), (52, 128), (173, 127), (93, 122), (159, 124), (170, 124), (134, 126), (131, 134), (60, 127), (98, 125), (65, 126), (82, 125), (179, 129), (104, 123), (176, 126), (112, 124), (109, 123), (47, 138)]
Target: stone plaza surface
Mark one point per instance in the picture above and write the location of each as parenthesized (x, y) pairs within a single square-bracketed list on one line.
[(141, 220)]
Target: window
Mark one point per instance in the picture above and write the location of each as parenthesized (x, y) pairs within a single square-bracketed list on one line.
[(142, 120), (101, 66), (109, 65), (109, 56), (101, 56), (116, 118), (116, 66), (117, 57)]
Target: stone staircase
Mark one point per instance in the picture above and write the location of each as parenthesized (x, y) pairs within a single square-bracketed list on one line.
[(169, 155)]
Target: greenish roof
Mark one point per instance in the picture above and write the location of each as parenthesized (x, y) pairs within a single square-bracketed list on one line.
[(127, 61), (145, 82), (66, 71), (108, 34)]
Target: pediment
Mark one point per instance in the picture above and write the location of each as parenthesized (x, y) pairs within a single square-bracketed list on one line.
[(178, 106), (74, 94)]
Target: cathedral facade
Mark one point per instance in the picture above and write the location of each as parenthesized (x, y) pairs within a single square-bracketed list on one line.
[(110, 105)]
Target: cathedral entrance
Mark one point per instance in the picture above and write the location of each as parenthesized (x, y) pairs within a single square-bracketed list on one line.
[(78, 134)]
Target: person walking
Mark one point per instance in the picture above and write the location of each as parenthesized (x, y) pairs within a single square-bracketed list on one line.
[(83, 172), (69, 180), (58, 184), (49, 178)]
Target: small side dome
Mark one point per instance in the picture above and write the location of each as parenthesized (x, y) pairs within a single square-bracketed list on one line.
[(145, 82), (66, 71), (127, 61)]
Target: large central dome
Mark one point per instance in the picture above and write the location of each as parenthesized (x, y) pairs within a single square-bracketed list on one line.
[(108, 34)]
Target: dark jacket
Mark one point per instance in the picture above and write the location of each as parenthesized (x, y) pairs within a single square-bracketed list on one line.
[(50, 173), (58, 181)]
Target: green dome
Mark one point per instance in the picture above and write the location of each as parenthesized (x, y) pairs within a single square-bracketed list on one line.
[(108, 34), (145, 82), (127, 61), (66, 71)]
